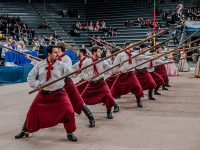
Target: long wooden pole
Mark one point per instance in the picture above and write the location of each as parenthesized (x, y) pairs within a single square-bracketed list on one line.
[(36, 58), (78, 71), (125, 61), (164, 54)]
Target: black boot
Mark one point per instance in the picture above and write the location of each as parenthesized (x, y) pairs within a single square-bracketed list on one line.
[(109, 114), (164, 88), (116, 108), (22, 133), (139, 103), (167, 85), (71, 137), (156, 91), (150, 93), (89, 115)]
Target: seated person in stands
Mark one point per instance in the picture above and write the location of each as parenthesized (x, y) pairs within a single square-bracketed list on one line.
[(21, 46), (64, 13), (74, 33), (103, 25), (43, 25), (72, 12), (127, 24), (79, 26), (112, 31), (56, 35), (91, 26), (142, 23), (148, 23), (97, 26)]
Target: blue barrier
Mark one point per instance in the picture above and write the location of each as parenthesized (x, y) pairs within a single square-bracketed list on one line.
[(19, 59), (16, 74)]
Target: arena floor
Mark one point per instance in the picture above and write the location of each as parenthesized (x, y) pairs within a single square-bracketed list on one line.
[(172, 122)]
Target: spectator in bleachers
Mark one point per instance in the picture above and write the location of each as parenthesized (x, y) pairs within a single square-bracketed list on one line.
[(179, 9), (74, 33), (72, 12), (103, 25), (79, 25), (91, 26), (141, 22), (21, 46), (127, 24), (43, 25), (97, 26), (56, 35), (148, 23)]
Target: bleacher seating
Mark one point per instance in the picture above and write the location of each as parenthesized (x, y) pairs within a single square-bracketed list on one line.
[(114, 13)]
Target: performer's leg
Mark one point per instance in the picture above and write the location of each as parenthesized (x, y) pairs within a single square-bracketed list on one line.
[(89, 115), (156, 91), (164, 87), (139, 102), (150, 94), (116, 108), (70, 124), (22, 133)]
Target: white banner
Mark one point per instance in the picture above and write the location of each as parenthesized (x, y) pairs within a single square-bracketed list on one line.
[(192, 24)]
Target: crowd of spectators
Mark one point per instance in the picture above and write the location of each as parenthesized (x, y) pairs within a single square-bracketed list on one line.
[(93, 27), (194, 13), (15, 27), (70, 12)]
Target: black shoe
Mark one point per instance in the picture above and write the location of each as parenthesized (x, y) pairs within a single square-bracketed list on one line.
[(21, 135), (168, 85), (89, 115), (157, 93), (71, 137), (139, 103), (116, 108), (164, 88), (152, 98), (109, 114)]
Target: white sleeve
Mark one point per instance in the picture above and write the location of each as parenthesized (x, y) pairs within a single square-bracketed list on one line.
[(88, 72), (32, 77), (75, 66), (34, 62), (68, 61), (116, 62), (66, 69), (160, 62), (106, 65)]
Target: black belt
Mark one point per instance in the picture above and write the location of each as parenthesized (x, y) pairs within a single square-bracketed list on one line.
[(141, 70), (157, 67), (50, 92), (97, 81), (67, 78)]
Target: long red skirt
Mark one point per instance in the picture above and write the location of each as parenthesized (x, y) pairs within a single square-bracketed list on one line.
[(146, 80), (126, 83), (110, 80), (157, 78), (81, 87), (48, 110), (98, 92), (74, 96), (161, 70)]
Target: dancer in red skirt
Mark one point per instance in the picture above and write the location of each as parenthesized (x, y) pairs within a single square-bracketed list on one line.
[(111, 76), (96, 90), (144, 77), (73, 93), (161, 70), (126, 81), (51, 105)]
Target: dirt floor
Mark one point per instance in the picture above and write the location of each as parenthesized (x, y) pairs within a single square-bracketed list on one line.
[(172, 122)]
